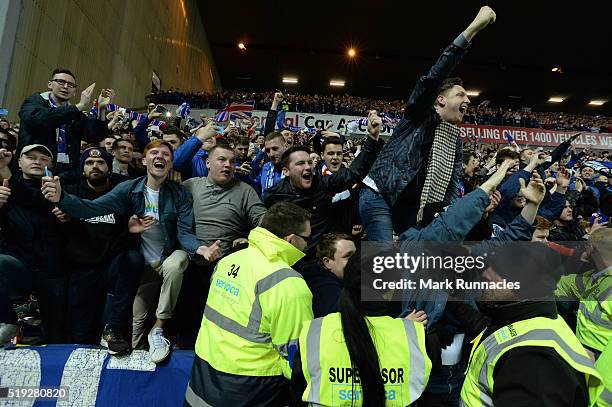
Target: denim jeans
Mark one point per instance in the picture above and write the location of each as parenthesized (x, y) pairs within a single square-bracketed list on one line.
[(375, 215), (17, 280), (380, 220), (444, 387)]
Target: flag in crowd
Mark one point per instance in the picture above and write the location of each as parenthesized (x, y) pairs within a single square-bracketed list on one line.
[(241, 110)]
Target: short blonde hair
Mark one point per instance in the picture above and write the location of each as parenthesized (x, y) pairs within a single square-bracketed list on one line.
[(601, 241)]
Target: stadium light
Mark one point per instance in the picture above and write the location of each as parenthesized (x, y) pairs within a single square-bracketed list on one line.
[(472, 92), (241, 46), (556, 99), (290, 80), (597, 102), (336, 83), (351, 52)]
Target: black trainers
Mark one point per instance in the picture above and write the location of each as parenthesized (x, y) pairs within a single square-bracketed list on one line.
[(115, 343)]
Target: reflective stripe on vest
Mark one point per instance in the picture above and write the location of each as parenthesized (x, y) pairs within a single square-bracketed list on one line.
[(596, 316), (604, 366), (417, 362), (606, 396), (490, 350), (251, 331), (594, 324), (313, 351), (605, 296), (493, 349), (419, 367), (193, 399)]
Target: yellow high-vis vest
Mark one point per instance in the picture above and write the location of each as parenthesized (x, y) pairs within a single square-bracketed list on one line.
[(330, 378), (477, 390), (604, 366), (594, 290), (255, 309)]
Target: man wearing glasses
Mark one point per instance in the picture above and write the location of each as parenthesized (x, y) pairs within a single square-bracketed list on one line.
[(49, 119)]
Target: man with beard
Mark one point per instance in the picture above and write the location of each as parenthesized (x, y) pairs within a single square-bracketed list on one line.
[(243, 163), (164, 221), (274, 145), (312, 190), (101, 257)]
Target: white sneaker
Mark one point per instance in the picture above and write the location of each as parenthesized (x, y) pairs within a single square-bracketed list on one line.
[(159, 346), (7, 332)]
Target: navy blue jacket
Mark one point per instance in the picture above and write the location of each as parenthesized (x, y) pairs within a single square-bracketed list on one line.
[(40, 121), (401, 158), (325, 288)]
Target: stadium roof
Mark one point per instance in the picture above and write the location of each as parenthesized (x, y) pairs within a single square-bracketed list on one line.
[(510, 62)]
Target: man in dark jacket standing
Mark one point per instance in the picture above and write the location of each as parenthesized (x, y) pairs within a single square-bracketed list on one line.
[(421, 163), (49, 119), (312, 190)]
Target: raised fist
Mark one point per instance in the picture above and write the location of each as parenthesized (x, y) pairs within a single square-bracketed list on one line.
[(485, 16)]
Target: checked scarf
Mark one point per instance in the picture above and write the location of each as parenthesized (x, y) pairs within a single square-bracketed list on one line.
[(440, 166)]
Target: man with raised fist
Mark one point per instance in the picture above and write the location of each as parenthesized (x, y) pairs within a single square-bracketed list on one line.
[(420, 166)]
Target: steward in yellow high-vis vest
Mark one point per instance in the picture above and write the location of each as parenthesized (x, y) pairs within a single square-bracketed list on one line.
[(479, 388), (254, 311), (528, 356), (359, 356), (594, 291), (604, 366), (330, 378)]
